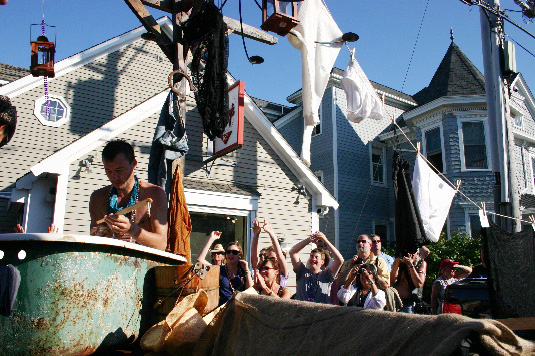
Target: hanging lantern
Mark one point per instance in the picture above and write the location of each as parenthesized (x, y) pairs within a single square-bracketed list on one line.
[(279, 16), (42, 61)]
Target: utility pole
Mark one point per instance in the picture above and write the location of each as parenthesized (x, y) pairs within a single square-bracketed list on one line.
[(506, 200)]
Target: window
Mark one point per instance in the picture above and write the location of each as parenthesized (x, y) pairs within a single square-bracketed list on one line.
[(533, 170), (319, 175), (377, 165), (317, 128), (233, 228), (54, 112), (518, 121), (381, 230), (475, 148), (433, 148)]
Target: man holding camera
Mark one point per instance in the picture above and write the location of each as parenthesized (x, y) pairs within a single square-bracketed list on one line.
[(364, 255)]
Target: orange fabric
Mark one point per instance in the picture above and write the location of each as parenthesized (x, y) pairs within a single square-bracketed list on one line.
[(178, 235)]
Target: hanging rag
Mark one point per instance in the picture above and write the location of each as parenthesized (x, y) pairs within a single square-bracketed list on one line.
[(410, 234), (510, 258), (178, 234), (362, 100), (169, 143), (316, 24), (433, 197), (9, 286)]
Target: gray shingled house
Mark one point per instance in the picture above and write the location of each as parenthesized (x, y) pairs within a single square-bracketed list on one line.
[(448, 117)]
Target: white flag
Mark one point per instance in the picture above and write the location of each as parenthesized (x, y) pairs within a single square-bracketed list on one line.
[(433, 197)]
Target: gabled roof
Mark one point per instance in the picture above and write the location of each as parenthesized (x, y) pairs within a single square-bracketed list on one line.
[(57, 162), (456, 75), (9, 73)]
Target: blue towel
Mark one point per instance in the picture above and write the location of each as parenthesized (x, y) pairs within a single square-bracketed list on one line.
[(9, 286)]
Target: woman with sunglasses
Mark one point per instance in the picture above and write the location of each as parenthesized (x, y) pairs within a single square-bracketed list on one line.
[(274, 250), (360, 289), (267, 278), (234, 274)]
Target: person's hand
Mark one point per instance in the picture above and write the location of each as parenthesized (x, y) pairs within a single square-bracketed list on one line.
[(118, 224), (53, 229), (408, 260), (256, 227), (214, 235), (267, 227), (243, 263), (368, 277), (260, 280), (99, 231), (19, 229)]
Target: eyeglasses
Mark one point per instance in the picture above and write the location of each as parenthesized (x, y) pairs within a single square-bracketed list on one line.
[(265, 268), (362, 241), (233, 252), (217, 253), (376, 241)]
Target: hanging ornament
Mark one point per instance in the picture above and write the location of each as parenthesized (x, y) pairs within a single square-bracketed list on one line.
[(42, 60)]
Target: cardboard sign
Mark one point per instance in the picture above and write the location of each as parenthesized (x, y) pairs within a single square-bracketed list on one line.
[(232, 138)]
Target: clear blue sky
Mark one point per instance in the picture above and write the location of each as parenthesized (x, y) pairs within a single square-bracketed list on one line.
[(387, 30)]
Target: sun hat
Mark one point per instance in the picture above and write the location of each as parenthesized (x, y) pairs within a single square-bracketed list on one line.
[(217, 248), (448, 263), (185, 315)]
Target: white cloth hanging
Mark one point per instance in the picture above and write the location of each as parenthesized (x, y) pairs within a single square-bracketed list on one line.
[(433, 197), (315, 25), (362, 100)]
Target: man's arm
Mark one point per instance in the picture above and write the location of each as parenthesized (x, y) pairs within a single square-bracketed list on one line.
[(294, 252), (96, 202)]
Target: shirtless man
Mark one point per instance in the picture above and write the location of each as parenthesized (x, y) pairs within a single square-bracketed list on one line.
[(139, 226)]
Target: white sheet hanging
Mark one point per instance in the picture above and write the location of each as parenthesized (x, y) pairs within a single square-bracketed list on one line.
[(315, 25), (362, 100), (433, 197)]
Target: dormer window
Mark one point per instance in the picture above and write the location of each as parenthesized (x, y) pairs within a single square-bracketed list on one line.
[(54, 112)]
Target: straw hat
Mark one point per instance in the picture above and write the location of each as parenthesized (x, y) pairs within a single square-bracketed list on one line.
[(217, 248), (184, 322)]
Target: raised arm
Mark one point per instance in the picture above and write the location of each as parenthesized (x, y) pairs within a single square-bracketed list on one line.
[(462, 271), (254, 242), (284, 271), (214, 235), (294, 252), (395, 271), (338, 259)]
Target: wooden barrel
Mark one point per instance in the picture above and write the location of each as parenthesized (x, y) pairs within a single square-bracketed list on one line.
[(172, 282)]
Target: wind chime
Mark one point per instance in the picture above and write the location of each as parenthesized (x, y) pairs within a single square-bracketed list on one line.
[(42, 58)]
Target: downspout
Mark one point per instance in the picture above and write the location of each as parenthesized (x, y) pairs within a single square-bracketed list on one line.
[(335, 167)]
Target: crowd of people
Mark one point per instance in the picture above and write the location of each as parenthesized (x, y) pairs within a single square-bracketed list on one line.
[(371, 279)]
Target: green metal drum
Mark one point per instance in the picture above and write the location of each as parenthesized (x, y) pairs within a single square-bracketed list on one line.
[(78, 293)]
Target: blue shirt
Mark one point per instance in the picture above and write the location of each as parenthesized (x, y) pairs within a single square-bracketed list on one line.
[(388, 259)]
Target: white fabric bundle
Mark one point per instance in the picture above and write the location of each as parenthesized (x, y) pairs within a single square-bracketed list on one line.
[(433, 197), (315, 25), (362, 100)]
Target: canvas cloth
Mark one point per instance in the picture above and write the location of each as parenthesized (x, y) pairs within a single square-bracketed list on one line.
[(259, 325), (362, 100), (316, 24), (433, 197)]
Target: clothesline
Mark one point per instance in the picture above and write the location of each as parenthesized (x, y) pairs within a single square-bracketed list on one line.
[(457, 188)]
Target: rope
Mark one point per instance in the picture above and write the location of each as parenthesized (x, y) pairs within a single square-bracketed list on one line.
[(415, 43), (453, 185)]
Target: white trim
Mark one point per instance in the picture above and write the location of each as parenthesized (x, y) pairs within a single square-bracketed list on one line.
[(532, 175), (334, 103), (320, 112), (204, 201), (41, 101), (61, 201), (2, 81), (441, 133), (461, 144), (443, 101), (286, 119), (76, 61)]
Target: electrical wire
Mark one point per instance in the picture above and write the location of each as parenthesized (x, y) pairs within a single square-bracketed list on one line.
[(415, 43), (524, 48)]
